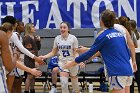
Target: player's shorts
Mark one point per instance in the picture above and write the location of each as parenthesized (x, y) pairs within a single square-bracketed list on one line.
[(18, 72), (120, 82), (73, 71), (3, 85)]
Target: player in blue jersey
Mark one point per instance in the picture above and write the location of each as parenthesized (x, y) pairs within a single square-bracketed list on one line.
[(113, 48)]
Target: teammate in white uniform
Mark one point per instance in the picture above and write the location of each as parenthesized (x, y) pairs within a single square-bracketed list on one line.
[(128, 40), (14, 38), (8, 28), (18, 72), (137, 51), (65, 46)]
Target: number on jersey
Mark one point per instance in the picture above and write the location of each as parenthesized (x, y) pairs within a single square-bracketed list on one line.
[(65, 53)]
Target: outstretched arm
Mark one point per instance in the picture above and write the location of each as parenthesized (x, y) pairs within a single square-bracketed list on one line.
[(33, 71), (51, 54), (14, 38), (83, 49)]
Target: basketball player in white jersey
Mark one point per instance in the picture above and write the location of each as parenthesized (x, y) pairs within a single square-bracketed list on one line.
[(14, 38), (8, 29), (65, 45), (137, 51)]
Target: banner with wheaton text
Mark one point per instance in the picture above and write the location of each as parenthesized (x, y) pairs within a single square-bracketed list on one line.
[(79, 13)]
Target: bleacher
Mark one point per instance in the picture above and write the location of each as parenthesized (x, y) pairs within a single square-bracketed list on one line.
[(85, 37)]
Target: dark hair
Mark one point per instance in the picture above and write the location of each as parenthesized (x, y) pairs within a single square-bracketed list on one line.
[(6, 27), (128, 18), (9, 19), (134, 28), (18, 24), (68, 24), (125, 22), (133, 24), (116, 21), (108, 18)]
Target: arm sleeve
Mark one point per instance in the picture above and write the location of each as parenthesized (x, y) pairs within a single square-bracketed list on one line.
[(16, 41), (94, 48)]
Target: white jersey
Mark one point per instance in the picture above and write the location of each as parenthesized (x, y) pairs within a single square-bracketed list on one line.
[(14, 39), (12, 42), (65, 47), (121, 29), (18, 72)]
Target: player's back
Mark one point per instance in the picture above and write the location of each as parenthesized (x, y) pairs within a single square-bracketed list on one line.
[(115, 53)]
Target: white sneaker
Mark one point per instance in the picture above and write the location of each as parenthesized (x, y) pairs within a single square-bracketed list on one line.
[(53, 90)]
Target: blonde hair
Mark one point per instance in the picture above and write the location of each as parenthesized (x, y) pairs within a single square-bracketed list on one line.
[(28, 29), (7, 27)]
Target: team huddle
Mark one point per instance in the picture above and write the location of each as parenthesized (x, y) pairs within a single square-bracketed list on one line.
[(115, 43)]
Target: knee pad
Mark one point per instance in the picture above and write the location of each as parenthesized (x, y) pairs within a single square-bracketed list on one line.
[(64, 84)]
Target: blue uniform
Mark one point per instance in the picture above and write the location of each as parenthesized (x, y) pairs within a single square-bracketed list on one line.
[(113, 48)]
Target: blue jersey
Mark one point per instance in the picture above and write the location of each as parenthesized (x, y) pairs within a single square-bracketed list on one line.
[(113, 48)]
